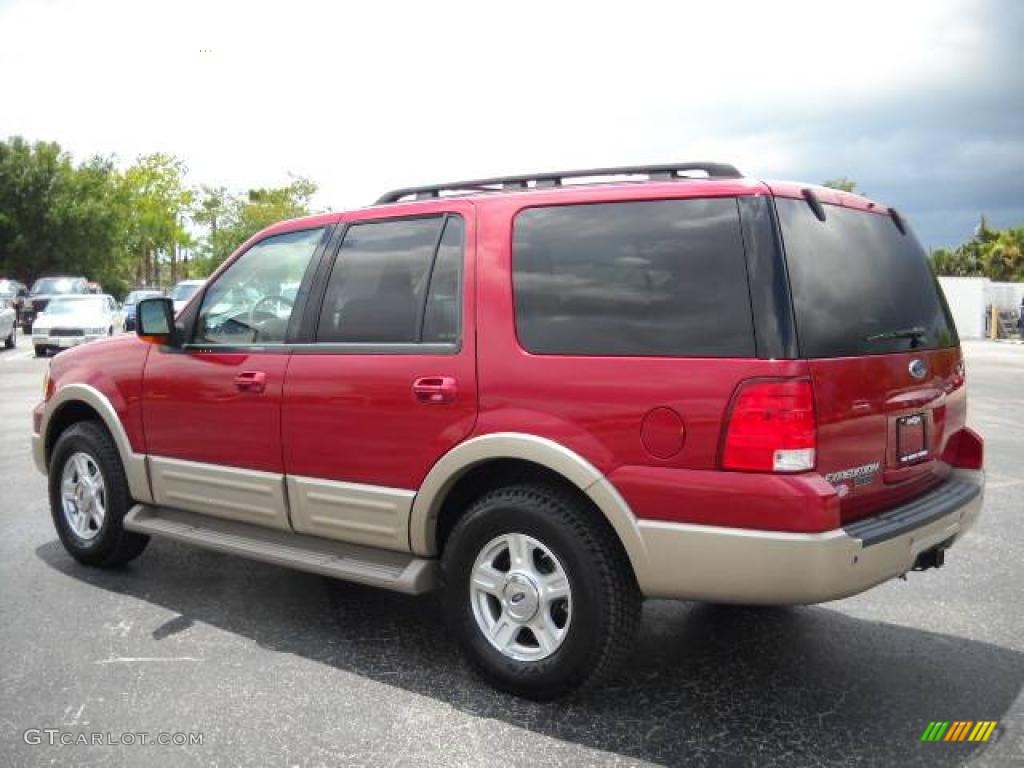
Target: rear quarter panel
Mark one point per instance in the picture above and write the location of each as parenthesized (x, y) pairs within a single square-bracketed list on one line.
[(596, 405)]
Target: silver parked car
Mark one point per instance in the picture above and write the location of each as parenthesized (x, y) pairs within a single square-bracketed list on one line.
[(8, 323)]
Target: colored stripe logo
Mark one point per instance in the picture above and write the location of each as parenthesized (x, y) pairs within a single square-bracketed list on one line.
[(959, 730)]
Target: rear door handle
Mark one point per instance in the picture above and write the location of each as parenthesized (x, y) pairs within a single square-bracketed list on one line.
[(435, 389), (251, 381)]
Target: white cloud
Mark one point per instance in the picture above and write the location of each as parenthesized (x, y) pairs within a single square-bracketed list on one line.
[(365, 96)]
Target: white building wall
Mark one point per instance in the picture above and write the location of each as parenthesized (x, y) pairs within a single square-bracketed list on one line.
[(967, 297), (1005, 296)]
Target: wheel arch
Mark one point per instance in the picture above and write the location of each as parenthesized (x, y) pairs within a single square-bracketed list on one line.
[(501, 449), (74, 403)]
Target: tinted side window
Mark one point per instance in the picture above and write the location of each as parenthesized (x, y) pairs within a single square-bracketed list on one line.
[(859, 285), (443, 312), (661, 278), (378, 283)]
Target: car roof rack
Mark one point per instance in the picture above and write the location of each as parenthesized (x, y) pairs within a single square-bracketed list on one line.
[(667, 172)]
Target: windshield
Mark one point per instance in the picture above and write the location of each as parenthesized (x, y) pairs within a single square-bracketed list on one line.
[(860, 286), (54, 285), (185, 291), (136, 296), (71, 305)]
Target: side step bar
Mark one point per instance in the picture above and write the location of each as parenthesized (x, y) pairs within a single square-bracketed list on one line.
[(350, 562)]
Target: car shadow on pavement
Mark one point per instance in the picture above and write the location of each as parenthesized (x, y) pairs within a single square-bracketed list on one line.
[(706, 685)]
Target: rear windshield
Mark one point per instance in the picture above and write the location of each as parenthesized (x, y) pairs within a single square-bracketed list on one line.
[(54, 285), (661, 278), (860, 287)]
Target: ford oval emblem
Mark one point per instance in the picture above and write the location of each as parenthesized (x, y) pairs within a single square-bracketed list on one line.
[(918, 369)]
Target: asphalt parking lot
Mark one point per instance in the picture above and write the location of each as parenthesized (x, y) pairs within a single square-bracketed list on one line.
[(276, 667)]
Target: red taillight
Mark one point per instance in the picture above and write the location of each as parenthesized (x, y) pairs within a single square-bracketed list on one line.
[(771, 427)]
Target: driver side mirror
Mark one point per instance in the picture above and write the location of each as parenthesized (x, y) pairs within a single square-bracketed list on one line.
[(154, 321)]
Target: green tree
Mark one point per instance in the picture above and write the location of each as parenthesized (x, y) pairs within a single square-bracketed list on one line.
[(842, 183), (123, 229), (1003, 258), (93, 217), (947, 262), (212, 208), (158, 202), (33, 179), (993, 253), (229, 221), (55, 217)]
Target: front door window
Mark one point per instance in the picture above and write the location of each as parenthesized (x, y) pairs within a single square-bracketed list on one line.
[(252, 301)]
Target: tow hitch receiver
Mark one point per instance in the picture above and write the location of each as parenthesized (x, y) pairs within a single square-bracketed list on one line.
[(931, 558)]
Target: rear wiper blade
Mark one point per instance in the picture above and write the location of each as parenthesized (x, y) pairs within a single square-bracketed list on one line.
[(914, 333)]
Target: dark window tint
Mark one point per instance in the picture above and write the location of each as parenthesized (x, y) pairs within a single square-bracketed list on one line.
[(443, 313), (645, 278), (859, 285), (376, 290)]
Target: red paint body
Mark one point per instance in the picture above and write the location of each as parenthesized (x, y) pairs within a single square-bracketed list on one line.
[(193, 409), (357, 418)]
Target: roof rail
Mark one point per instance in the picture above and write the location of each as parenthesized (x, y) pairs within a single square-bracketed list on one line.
[(555, 179)]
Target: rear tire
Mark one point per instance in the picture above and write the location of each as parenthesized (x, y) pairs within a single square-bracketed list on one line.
[(89, 514), (559, 605), (40, 350), (12, 341)]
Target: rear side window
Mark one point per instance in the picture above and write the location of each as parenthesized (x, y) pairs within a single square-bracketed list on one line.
[(395, 281), (660, 278), (859, 285)]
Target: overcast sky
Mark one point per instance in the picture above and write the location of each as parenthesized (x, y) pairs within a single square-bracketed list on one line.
[(922, 103)]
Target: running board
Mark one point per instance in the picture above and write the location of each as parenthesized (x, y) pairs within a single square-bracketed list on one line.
[(376, 567)]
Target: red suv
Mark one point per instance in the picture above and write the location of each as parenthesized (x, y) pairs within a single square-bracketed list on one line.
[(547, 396)]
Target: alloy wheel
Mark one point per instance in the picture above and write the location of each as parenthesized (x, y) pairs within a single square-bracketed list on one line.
[(521, 597), (83, 495)]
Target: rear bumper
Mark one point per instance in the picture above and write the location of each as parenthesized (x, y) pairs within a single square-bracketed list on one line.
[(732, 565)]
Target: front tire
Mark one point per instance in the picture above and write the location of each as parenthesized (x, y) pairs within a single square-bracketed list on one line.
[(89, 497), (12, 341), (539, 591), (40, 350)]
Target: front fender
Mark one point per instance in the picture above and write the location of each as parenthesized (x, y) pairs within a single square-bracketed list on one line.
[(134, 463)]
